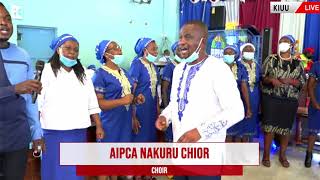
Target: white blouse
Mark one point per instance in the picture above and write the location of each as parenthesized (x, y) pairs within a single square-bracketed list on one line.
[(65, 103), (209, 100)]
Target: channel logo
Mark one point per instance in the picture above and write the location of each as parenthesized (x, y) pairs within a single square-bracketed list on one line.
[(295, 7)]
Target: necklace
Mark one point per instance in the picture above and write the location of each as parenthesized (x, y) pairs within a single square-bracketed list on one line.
[(182, 102), (251, 74), (153, 76), (122, 78)]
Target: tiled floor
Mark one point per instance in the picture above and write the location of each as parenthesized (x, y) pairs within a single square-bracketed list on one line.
[(296, 170)]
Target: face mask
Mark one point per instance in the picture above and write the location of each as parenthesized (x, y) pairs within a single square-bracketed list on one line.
[(284, 47), (67, 62), (151, 58), (228, 59), (177, 58), (117, 59), (167, 57), (248, 55), (194, 56)]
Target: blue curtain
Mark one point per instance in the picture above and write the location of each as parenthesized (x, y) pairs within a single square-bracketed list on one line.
[(312, 33), (195, 11)]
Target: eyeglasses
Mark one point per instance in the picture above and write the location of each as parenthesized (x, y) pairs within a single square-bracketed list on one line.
[(69, 49), (114, 48)]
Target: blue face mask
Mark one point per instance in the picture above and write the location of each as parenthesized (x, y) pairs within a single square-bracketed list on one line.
[(67, 62), (151, 58), (117, 59), (228, 59), (194, 56)]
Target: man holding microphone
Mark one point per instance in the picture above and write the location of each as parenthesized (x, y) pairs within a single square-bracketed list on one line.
[(19, 117)]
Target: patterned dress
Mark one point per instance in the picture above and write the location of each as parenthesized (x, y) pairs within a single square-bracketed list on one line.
[(279, 104)]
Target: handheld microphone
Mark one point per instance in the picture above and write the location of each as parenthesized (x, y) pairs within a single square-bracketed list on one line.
[(39, 69)]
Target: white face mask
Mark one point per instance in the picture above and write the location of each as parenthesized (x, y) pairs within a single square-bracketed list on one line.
[(248, 55), (284, 47)]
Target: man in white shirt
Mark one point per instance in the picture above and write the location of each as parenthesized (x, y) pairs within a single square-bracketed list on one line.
[(205, 100)]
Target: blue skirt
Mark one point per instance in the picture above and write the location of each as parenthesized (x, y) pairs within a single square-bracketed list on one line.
[(147, 115), (313, 120), (50, 163), (117, 124), (314, 114), (248, 127)]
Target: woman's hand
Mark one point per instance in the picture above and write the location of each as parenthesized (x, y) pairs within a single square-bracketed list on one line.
[(248, 113), (135, 125), (127, 99), (139, 99), (99, 132)]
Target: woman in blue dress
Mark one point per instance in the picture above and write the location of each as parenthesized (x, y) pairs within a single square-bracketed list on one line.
[(113, 87), (253, 73), (145, 77), (231, 54), (166, 85), (314, 110)]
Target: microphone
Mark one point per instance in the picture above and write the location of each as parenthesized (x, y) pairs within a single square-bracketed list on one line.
[(39, 68)]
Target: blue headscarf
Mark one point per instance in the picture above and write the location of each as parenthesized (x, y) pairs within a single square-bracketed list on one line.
[(291, 39), (174, 47), (101, 49), (57, 42), (141, 44), (235, 48)]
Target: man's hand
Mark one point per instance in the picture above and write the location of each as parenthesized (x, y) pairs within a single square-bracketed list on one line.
[(161, 123), (27, 87), (191, 136), (38, 146)]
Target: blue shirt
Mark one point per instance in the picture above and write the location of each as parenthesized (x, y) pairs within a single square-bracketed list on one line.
[(18, 67)]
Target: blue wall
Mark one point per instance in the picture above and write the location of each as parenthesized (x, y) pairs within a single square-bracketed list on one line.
[(92, 21)]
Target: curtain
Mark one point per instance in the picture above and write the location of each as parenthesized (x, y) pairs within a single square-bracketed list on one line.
[(232, 10), (312, 33), (257, 13), (200, 10)]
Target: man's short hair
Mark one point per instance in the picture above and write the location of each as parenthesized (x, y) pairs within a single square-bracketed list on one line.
[(202, 26)]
